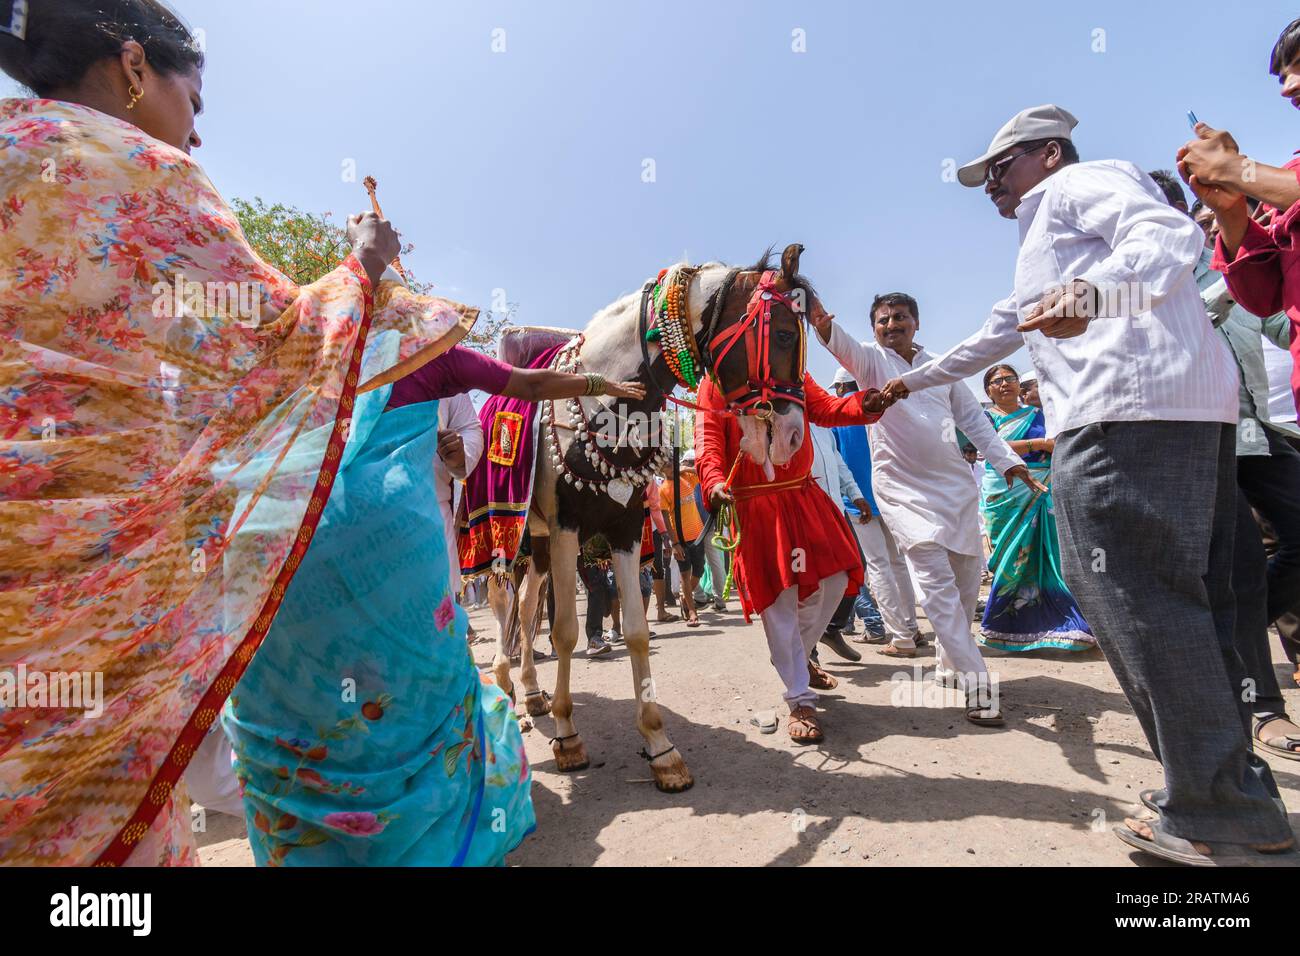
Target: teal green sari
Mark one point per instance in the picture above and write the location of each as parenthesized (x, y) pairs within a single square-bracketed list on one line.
[(363, 732), (1029, 606)]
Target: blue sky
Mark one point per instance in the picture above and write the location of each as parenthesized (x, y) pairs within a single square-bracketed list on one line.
[(522, 170)]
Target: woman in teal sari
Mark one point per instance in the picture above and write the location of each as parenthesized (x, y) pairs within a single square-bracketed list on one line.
[(364, 733), (1029, 607)]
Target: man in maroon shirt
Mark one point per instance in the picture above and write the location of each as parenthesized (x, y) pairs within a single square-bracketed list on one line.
[(1261, 262)]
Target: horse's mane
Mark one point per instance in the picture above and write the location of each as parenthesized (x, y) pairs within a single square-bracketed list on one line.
[(763, 264)]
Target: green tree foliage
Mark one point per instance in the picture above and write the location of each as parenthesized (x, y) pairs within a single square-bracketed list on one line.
[(306, 247)]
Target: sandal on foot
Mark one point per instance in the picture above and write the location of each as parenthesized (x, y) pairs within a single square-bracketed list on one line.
[(667, 619), (984, 716), (693, 622), (1150, 837), (818, 679), (1280, 744), (804, 727), (891, 650)]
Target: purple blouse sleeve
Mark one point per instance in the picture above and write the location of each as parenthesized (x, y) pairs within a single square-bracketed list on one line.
[(456, 371)]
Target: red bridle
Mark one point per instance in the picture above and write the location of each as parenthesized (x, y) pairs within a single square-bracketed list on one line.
[(761, 387)]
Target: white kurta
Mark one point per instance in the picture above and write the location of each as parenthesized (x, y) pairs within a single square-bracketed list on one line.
[(921, 482), (456, 414)]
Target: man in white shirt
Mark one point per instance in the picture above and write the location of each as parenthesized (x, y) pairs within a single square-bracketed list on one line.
[(888, 580), (1141, 395), (924, 490)]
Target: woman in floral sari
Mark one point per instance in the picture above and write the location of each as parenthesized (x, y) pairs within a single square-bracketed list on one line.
[(1029, 606), (173, 417)]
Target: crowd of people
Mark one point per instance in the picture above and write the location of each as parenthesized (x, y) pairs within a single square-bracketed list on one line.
[(1137, 491)]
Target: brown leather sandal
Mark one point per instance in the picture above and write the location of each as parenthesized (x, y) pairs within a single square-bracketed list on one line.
[(818, 679), (891, 650), (804, 727)]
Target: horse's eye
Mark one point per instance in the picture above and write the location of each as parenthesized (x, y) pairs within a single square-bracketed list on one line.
[(785, 338)]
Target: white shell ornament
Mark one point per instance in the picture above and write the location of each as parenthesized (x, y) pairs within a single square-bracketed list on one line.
[(620, 489)]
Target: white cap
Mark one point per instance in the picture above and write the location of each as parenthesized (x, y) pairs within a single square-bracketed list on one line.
[(688, 457), (1038, 122), (842, 377)]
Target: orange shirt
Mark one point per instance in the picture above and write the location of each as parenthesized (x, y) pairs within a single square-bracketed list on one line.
[(692, 522)]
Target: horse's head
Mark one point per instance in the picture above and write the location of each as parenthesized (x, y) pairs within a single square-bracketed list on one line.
[(754, 330)]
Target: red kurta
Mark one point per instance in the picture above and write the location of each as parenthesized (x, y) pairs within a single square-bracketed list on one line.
[(790, 512)]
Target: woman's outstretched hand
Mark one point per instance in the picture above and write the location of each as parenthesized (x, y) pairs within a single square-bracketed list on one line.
[(634, 390), (375, 243)]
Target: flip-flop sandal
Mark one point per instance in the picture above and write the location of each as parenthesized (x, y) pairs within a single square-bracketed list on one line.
[(694, 623), (1200, 853), (1281, 745), (667, 619), (765, 721), (806, 717), (889, 650), (985, 716)]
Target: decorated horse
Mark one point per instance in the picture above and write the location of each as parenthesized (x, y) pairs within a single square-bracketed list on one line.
[(566, 471)]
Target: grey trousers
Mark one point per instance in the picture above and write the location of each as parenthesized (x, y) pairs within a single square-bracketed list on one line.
[(1146, 513)]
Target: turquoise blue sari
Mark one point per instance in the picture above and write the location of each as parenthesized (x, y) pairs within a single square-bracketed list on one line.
[(363, 732), (1029, 606)]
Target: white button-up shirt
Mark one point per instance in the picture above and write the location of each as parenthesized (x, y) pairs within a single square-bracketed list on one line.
[(921, 482), (828, 467), (1151, 354)]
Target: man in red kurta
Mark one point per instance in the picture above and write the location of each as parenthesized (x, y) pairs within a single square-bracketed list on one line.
[(796, 559)]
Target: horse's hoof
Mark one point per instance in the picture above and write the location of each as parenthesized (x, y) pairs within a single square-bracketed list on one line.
[(570, 755), (538, 705), (671, 775)]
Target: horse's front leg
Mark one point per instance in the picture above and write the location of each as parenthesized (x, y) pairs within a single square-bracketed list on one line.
[(500, 594), (531, 598), (570, 752), (667, 763)]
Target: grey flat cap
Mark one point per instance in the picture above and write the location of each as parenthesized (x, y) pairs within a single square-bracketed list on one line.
[(1038, 122)]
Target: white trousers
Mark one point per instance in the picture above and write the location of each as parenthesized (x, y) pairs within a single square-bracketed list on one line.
[(794, 627), (888, 579), (210, 776), (949, 583)]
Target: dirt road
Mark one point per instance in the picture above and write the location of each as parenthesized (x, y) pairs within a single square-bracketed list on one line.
[(894, 783)]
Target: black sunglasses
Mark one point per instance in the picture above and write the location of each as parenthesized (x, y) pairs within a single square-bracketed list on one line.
[(994, 171)]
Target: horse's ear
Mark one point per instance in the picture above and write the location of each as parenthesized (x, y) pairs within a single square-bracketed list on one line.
[(790, 262)]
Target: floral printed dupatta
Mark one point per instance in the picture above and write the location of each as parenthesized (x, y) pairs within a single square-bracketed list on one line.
[(152, 369)]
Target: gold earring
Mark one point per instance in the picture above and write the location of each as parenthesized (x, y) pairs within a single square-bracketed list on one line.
[(137, 94)]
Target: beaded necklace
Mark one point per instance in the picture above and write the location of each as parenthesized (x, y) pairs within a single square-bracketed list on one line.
[(672, 325)]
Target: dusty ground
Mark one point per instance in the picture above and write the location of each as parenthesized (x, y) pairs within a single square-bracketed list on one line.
[(892, 784)]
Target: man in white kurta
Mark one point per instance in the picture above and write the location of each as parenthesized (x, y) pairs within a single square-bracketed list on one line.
[(923, 489), (888, 579)]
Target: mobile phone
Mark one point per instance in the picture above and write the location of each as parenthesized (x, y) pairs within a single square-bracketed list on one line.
[(1191, 119)]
